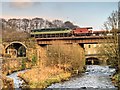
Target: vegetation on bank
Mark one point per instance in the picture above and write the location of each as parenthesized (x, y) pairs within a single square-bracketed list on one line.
[(43, 77), (71, 55), (6, 83), (15, 64), (116, 79), (111, 50), (59, 63)]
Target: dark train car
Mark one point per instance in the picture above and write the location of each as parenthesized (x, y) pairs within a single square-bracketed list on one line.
[(86, 31), (51, 32)]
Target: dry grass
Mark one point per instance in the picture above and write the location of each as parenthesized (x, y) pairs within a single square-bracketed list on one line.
[(41, 78), (66, 54), (6, 83)]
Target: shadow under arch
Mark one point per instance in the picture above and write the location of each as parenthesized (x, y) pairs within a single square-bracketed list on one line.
[(16, 49), (92, 61)]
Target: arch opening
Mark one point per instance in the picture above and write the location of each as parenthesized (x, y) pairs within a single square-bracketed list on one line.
[(92, 61), (16, 49)]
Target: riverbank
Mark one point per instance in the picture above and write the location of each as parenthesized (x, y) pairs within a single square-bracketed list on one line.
[(6, 83), (52, 77), (42, 78), (18, 83), (11, 65), (116, 80)]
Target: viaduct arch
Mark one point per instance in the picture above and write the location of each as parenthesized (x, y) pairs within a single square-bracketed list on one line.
[(92, 61), (16, 49)]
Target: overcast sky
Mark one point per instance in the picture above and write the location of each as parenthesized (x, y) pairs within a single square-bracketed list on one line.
[(81, 13)]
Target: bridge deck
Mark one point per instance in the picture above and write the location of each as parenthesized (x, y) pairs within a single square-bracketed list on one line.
[(80, 39)]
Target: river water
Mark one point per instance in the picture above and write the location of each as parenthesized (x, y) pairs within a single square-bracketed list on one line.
[(96, 77), (17, 81)]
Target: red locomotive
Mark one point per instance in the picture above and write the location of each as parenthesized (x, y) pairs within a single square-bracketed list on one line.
[(86, 31)]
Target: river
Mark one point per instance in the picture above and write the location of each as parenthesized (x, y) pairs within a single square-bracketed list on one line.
[(95, 77), (17, 81)]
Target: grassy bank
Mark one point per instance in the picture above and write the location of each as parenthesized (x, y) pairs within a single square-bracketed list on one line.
[(43, 77), (116, 80), (6, 83)]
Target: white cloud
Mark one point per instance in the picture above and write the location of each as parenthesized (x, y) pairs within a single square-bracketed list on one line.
[(21, 3), (22, 0)]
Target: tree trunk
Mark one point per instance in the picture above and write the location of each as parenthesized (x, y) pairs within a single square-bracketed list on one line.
[(119, 51), (119, 34)]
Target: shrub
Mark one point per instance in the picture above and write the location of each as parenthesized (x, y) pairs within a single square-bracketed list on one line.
[(23, 66), (34, 59), (64, 54)]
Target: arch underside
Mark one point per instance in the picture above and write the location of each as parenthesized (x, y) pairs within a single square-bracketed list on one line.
[(92, 61), (16, 49)]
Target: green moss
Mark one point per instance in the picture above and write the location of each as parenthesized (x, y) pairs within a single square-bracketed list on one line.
[(34, 59), (116, 80), (116, 77), (52, 80), (40, 84), (23, 66), (58, 78)]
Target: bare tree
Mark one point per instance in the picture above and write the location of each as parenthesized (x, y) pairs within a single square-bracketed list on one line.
[(57, 23), (50, 24), (31, 24), (37, 22), (119, 26), (69, 24), (25, 24), (12, 23), (65, 54), (3, 23), (18, 24), (109, 48)]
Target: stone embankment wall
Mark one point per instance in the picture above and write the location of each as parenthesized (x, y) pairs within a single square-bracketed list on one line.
[(10, 65), (6, 83)]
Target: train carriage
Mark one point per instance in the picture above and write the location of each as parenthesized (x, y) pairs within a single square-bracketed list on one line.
[(51, 32)]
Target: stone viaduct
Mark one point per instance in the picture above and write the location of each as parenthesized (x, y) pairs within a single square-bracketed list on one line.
[(38, 46)]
